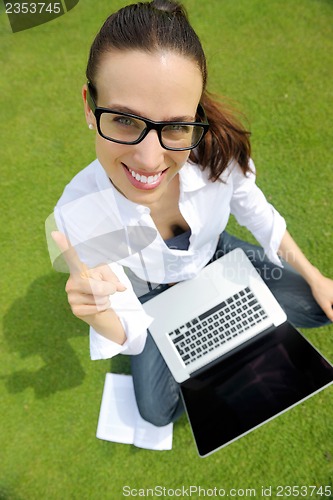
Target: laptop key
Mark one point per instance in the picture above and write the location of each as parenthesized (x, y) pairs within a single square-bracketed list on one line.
[(179, 338)]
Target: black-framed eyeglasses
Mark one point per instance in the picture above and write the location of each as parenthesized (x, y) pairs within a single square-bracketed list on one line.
[(126, 128)]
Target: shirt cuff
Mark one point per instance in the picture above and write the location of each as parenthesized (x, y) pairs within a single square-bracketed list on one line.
[(103, 348), (279, 228), (132, 316)]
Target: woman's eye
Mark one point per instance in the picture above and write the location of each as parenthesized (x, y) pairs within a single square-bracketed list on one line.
[(177, 128), (123, 120)]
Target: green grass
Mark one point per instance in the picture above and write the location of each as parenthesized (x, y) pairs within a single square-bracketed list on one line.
[(274, 58)]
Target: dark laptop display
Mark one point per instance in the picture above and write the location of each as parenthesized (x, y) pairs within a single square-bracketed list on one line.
[(251, 386)]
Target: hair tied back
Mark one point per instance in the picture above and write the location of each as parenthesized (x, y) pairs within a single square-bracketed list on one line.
[(169, 7)]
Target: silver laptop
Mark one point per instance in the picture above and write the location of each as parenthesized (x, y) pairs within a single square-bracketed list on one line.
[(200, 320), (228, 343)]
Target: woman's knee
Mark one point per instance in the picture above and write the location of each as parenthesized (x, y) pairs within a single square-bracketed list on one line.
[(159, 406), (156, 391), (153, 414), (295, 296)]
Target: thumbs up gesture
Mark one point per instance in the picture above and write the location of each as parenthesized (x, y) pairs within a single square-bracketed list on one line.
[(89, 292)]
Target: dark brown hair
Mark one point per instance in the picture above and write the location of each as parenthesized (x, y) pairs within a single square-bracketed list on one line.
[(163, 24)]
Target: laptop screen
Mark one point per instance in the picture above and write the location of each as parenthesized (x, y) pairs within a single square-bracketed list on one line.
[(254, 385)]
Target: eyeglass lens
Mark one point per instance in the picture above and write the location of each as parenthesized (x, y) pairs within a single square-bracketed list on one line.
[(127, 129)]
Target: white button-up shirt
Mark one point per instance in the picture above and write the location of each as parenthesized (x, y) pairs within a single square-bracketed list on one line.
[(104, 226)]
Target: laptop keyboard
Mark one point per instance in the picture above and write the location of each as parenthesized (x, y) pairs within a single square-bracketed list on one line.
[(215, 327)]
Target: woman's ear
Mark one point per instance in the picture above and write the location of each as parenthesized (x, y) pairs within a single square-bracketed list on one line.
[(90, 117)]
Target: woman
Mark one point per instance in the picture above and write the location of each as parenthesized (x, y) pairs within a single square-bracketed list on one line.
[(173, 163)]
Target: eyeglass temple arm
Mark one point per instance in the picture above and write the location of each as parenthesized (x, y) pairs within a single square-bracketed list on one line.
[(90, 99)]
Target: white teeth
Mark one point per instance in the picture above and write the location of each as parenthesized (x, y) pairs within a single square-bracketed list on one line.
[(145, 180)]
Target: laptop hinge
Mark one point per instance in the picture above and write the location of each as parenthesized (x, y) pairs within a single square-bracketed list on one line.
[(257, 339)]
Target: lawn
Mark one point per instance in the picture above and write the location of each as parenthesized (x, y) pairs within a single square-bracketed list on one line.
[(274, 59)]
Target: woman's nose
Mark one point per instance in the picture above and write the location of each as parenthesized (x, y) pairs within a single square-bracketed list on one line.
[(149, 154)]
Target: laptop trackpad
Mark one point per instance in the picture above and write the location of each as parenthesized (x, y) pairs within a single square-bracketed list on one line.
[(198, 295), (196, 298)]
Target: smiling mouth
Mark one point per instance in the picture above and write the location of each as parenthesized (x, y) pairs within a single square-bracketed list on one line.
[(144, 181), (143, 178)]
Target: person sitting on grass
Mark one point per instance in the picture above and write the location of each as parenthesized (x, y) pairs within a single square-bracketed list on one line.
[(173, 159)]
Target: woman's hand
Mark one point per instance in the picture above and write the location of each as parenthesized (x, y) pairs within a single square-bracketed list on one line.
[(89, 291), (322, 290), (322, 287)]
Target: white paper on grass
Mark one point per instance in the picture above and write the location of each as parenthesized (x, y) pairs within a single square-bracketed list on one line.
[(120, 421)]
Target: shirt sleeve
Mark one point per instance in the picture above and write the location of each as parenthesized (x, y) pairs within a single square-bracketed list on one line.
[(133, 318), (252, 210)]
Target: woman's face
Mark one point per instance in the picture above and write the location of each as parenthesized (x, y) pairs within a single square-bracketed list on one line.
[(157, 86)]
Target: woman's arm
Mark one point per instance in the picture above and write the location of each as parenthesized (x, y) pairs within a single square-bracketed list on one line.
[(321, 287), (88, 293)]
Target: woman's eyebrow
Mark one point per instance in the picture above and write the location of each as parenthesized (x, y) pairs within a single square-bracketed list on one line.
[(125, 109)]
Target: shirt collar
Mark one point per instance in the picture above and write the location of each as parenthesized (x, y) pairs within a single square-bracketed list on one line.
[(192, 177)]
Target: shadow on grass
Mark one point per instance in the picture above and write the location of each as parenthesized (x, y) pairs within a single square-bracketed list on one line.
[(120, 364), (40, 324), (7, 494)]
